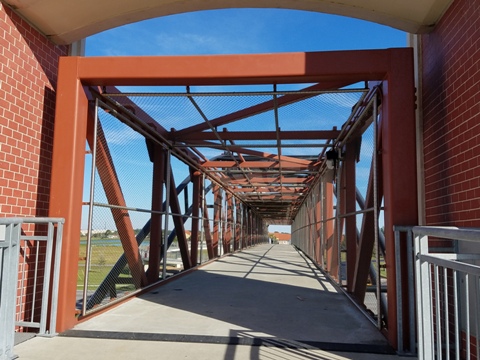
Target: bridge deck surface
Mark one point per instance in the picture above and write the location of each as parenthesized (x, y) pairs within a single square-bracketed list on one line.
[(267, 302)]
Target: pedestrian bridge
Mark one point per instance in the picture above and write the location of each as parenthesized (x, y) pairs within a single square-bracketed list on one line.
[(266, 302), (334, 160)]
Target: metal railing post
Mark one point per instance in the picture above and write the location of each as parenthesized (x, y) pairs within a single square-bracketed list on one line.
[(424, 294), (9, 252), (454, 269), (9, 275)]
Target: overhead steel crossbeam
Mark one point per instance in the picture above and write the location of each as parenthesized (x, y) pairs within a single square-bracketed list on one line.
[(268, 154)]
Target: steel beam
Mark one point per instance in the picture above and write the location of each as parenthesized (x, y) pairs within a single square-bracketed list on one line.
[(217, 210), (399, 172), (257, 135), (318, 224), (158, 158), (238, 225), (367, 233), (208, 232), (283, 158), (329, 222), (391, 65), (350, 201), (229, 224), (335, 69), (196, 197), (121, 217), (178, 223), (266, 106), (258, 164), (104, 287), (270, 180), (66, 186)]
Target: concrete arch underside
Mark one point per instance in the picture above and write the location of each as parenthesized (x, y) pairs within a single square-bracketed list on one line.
[(65, 22)]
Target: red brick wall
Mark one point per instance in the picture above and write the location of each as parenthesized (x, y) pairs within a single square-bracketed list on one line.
[(28, 74), (451, 98)]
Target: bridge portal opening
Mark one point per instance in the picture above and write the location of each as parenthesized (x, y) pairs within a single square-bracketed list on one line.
[(201, 170)]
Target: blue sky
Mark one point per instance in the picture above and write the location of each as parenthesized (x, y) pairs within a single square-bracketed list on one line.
[(243, 31)]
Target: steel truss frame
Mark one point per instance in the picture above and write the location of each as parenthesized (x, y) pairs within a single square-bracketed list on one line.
[(80, 77)]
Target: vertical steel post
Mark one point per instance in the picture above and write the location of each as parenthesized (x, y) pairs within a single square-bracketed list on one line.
[(178, 222), (339, 226), (158, 181), (318, 224), (167, 214), (56, 278), (202, 227), (423, 287), (375, 211), (9, 254), (242, 226), (330, 225), (66, 186), (46, 279), (208, 233), (399, 169), (238, 225), (196, 180), (228, 222), (216, 218), (350, 201)]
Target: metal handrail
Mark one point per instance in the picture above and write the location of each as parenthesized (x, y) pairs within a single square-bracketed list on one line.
[(9, 244), (446, 283), (9, 265)]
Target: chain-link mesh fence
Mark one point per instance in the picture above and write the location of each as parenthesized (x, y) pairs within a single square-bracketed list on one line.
[(321, 232), (115, 238)]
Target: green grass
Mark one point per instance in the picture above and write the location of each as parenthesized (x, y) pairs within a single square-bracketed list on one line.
[(102, 259)]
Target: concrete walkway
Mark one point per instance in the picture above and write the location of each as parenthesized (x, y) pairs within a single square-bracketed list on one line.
[(267, 302)]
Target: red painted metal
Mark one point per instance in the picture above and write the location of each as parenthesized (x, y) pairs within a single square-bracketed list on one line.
[(229, 224), (330, 69), (318, 225), (157, 205), (257, 135), (283, 158), (66, 186), (217, 210), (208, 233), (350, 200), (287, 165), (367, 233), (328, 211), (268, 180), (121, 217), (265, 106), (178, 223), (238, 225), (399, 170), (196, 177), (333, 247)]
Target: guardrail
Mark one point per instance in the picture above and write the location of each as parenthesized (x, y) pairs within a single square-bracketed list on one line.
[(28, 270), (448, 294)]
